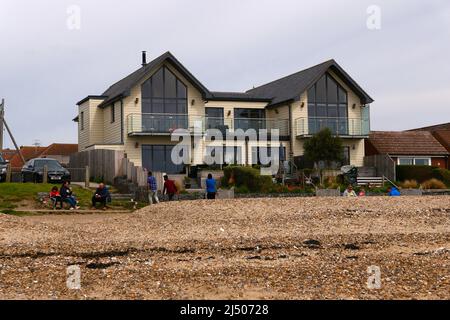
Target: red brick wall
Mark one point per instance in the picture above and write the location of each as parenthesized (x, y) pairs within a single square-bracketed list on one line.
[(439, 162)]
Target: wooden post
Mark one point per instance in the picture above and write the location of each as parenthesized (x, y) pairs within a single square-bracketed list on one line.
[(14, 141), (2, 112), (8, 173), (87, 178), (45, 175)]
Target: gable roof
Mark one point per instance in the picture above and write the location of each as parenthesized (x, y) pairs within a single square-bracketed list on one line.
[(443, 136), (420, 143), (279, 91), (123, 87), (442, 126), (289, 88), (60, 149), (32, 152), (28, 153)]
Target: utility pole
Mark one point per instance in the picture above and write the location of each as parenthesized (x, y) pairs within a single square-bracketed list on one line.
[(3, 123), (2, 115)]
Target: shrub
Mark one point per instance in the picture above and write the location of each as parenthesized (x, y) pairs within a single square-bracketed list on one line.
[(410, 184), (433, 184), (242, 190), (418, 173), (248, 177), (442, 175)]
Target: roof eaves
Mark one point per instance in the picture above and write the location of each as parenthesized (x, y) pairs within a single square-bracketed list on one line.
[(91, 97)]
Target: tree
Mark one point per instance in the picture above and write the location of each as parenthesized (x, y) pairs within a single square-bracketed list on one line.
[(324, 147)]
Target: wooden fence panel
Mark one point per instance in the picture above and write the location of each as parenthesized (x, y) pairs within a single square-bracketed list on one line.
[(103, 164), (384, 164)]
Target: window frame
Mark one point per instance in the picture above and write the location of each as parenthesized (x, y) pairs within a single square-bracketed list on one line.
[(151, 101), (338, 122), (414, 161), (82, 121), (113, 113)]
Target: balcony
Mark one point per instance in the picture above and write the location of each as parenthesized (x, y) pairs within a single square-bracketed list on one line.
[(342, 127), (165, 124), (245, 124), (155, 124)]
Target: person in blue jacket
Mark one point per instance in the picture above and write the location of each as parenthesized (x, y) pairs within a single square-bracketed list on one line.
[(211, 187), (394, 192)]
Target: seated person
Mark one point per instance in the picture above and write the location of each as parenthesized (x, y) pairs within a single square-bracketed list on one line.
[(349, 192), (55, 197), (101, 195), (393, 192), (362, 193), (67, 196)]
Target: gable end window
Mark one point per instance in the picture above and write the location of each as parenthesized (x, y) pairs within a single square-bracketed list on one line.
[(327, 106), (81, 120), (113, 113), (164, 93)]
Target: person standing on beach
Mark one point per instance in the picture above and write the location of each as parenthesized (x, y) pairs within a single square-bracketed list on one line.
[(152, 189), (169, 188), (211, 187)]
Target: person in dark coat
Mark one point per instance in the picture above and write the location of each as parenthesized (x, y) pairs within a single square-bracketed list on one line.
[(67, 196), (101, 195)]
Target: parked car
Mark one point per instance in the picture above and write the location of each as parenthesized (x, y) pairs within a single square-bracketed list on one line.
[(3, 167), (33, 171)]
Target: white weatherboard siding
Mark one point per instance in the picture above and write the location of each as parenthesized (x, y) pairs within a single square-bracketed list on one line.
[(101, 133)]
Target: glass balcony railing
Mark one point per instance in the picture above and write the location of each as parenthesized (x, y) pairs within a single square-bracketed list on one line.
[(146, 123), (160, 124), (245, 124), (344, 127)]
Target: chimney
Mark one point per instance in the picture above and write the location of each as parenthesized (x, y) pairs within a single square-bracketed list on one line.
[(144, 58)]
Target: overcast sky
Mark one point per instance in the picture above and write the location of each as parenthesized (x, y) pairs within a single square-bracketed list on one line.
[(232, 45)]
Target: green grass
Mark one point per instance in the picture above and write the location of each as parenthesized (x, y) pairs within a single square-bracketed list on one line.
[(11, 194)]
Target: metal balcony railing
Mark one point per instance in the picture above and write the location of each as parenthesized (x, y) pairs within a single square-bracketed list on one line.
[(344, 127)]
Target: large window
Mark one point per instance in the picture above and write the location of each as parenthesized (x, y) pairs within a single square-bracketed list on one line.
[(256, 154), (214, 118), (227, 155), (158, 158), (327, 106), (410, 161), (249, 119), (164, 93), (164, 103)]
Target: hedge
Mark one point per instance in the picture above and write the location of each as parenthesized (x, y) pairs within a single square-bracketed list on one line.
[(422, 174), (442, 175), (418, 173), (246, 178)]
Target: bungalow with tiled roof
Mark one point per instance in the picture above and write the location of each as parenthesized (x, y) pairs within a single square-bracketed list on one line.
[(408, 148), (441, 132)]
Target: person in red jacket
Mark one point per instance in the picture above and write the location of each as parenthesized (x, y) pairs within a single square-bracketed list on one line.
[(169, 188)]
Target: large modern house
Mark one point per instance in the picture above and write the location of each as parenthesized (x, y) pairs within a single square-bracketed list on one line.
[(138, 114)]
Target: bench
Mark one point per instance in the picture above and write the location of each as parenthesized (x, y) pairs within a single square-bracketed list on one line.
[(373, 181)]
